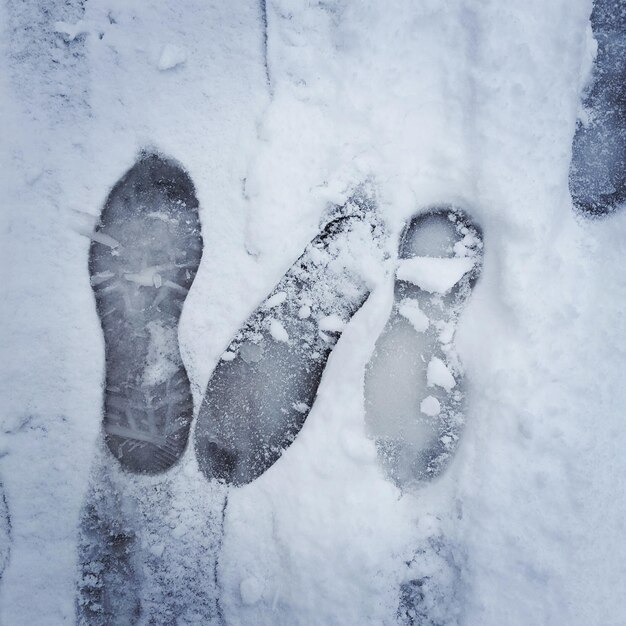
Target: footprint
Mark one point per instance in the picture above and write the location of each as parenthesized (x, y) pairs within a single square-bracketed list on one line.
[(143, 258), (264, 386), (5, 531), (413, 382), (108, 586), (148, 549), (598, 170), (431, 599)]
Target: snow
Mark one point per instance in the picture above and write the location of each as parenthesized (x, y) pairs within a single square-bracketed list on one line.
[(277, 330), (438, 374), (251, 590), (410, 309), (171, 56), (276, 300), (473, 104), (304, 312), (331, 323), (430, 406), (435, 275), (71, 31)]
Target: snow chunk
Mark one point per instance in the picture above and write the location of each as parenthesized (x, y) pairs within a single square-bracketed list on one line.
[(435, 275), (438, 374), (304, 312), (331, 323), (276, 299), (228, 356), (171, 57), (430, 406), (410, 309), (278, 332), (251, 590)]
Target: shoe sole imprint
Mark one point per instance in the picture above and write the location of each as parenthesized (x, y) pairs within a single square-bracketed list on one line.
[(108, 585), (143, 258), (264, 386), (413, 391), (5, 532), (598, 170)]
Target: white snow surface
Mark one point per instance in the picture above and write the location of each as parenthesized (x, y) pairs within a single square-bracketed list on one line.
[(469, 103)]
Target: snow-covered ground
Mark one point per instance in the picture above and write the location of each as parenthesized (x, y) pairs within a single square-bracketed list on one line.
[(277, 109)]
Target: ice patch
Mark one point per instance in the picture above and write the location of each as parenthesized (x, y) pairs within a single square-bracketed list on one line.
[(171, 57), (438, 374), (228, 356), (435, 275), (410, 310), (430, 406), (278, 332)]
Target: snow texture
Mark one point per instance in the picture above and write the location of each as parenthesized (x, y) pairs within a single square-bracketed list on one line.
[(281, 109)]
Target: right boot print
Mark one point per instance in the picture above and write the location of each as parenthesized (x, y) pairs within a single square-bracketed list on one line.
[(413, 387)]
